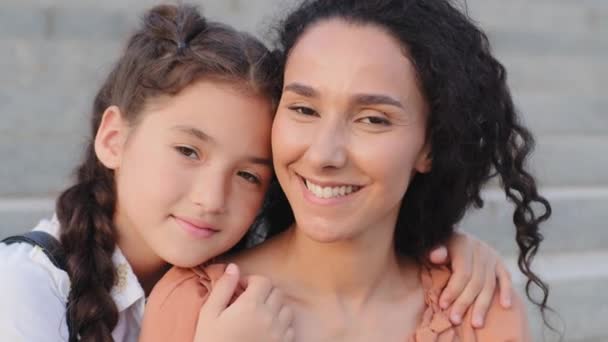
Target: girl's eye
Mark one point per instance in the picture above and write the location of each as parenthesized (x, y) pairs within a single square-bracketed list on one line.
[(375, 120), (249, 177), (187, 152), (303, 110)]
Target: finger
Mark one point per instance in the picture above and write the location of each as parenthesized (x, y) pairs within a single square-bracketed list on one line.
[(258, 288), (461, 253), (275, 301), (290, 335), (222, 292), (483, 301), (505, 283), (285, 319), (471, 290), (439, 255)]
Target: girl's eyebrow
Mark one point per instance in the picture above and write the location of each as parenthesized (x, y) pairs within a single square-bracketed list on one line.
[(195, 132), (260, 161)]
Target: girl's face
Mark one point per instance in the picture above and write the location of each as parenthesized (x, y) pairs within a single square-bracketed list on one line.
[(349, 133), (191, 175)]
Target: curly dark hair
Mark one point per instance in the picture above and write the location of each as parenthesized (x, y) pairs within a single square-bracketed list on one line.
[(174, 47), (473, 128)]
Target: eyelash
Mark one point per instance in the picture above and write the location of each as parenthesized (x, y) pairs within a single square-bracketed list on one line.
[(379, 121), (187, 152), (303, 110), (249, 177)]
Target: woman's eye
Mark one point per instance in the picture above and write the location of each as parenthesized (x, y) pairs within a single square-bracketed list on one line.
[(303, 110), (187, 152), (376, 120), (251, 178)]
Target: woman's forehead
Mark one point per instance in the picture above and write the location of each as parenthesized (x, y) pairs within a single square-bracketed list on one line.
[(346, 57)]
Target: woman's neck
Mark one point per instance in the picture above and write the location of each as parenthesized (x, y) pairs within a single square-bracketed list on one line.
[(353, 271)]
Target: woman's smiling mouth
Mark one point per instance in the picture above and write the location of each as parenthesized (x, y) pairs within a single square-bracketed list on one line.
[(329, 191)]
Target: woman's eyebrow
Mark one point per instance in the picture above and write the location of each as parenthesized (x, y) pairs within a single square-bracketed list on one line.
[(359, 99), (376, 99), (301, 89)]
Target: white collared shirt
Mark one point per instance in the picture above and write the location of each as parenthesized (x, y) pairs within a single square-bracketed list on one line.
[(33, 294)]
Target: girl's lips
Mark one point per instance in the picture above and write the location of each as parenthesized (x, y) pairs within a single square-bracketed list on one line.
[(197, 229)]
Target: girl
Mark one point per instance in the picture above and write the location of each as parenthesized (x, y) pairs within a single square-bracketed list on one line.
[(393, 115), (175, 174)]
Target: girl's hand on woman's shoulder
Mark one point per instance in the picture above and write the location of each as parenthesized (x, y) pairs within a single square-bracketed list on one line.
[(258, 314), (476, 270)]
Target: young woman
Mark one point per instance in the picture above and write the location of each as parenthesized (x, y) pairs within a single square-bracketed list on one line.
[(393, 115), (175, 173)]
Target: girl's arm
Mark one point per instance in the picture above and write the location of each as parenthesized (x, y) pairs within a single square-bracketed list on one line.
[(33, 305)]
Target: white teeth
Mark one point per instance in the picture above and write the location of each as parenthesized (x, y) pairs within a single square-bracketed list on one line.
[(330, 192)]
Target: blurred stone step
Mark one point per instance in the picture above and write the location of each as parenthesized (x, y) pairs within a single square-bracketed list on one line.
[(73, 19), (20, 215), (547, 44), (571, 160), (37, 165), (561, 75), (579, 221), (581, 17), (576, 292), (550, 115), (89, 18)]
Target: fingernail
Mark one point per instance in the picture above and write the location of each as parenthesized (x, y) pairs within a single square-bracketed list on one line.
[(456, 319), (478, 321), (507, 302), (444, 304), (232, 269)]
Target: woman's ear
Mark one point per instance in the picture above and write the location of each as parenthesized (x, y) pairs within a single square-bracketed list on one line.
[(111, 137), (424, 162)]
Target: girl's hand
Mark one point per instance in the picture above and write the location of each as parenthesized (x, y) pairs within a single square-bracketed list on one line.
[(258, 314), (476, 268)]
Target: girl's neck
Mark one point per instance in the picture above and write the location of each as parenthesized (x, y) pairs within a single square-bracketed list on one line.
[(147, 265)]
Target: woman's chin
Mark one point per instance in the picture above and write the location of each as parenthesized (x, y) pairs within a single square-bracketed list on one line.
[(324, 233)]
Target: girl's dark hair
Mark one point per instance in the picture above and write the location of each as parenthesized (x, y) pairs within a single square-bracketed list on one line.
[(473, 127), (174, 47)]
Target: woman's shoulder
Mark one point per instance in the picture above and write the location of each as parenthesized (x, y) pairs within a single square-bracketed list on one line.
[(500, 325), (178, 280), (172, 308)]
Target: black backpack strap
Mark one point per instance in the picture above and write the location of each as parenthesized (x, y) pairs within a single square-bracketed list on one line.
[(49, 245), (53, 250)]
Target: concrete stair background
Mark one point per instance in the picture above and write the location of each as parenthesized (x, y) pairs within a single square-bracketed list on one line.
[(56, 52)]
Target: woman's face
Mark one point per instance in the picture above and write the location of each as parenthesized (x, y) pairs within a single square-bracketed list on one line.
[(349, 133)]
